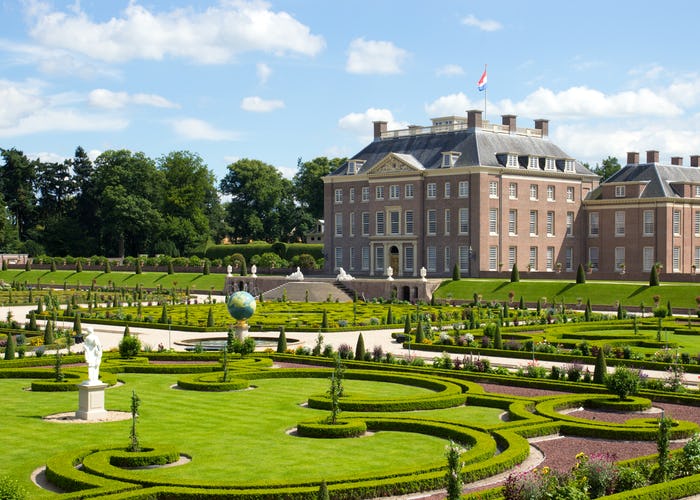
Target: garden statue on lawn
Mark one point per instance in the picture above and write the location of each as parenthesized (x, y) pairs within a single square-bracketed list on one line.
[(390, 273), (343, 276), (93, 356), (296, 275)]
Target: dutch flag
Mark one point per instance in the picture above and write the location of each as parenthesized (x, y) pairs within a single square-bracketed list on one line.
[(482, 81)]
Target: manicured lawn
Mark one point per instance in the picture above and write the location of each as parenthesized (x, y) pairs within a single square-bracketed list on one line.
[(221, 431)]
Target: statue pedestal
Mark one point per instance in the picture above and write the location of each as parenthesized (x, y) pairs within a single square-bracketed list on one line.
[(241, 331), (92, 401)]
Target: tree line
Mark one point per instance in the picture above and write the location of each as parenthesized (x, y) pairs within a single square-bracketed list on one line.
[(125, 203)]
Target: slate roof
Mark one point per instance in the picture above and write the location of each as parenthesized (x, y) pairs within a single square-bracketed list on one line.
[(660, 178), (477, 147)]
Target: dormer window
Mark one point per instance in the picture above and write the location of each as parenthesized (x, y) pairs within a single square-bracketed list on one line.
[(569, 165), (550, 164), (533, 163), (512, 161), (449, 159), (619, 191), (354, 166)]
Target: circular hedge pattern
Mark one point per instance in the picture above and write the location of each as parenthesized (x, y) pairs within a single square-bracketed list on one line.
[(632, 403), (343, 428), (211, 382)]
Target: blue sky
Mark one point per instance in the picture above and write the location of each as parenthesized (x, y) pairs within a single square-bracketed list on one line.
[(285, 79)]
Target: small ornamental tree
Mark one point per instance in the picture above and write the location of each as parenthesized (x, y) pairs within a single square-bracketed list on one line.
[(78, 266), (108, 267), (335, 392), (663, 438), (588, 312), (324, 320), (4, 265), (32, 322), (164, 314), (171, 270), (207, 267), (389, 316), (407, 325), (601, 367), (28, 265), (53, 266), (420, 336), (323, 492), (133, 437), (48, 333), (77, 323), (580, 275), (127, 332), (514, 274), (454, 470), (139, 269), (58, 367), (624, 382), (282, 341), (668, 309), (360, 348), (129, 347), (455, 273), (210, 317), (654, 276), (497, 339), (10, 347)]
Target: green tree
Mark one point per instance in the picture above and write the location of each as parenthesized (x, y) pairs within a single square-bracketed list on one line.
[(588, 311), (77, 323), (48, 333), (129, 347), (18, 176), (663, 439), (134, 445), (514, 274), (497, 339), (454, 471), (210, 317), (580, 275), (654, 276), (455, 273), (164, 314), (58, 367), (360, 348), (308, 183), (601, 367), (10, 347), (323, 492), (623, 382), (282, 341), (324, 320), (407, 325), (609, 166)]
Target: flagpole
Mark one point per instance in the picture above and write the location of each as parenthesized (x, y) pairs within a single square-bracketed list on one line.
[(485, 91)]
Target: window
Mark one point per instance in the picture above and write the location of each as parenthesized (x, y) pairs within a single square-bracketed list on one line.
[(648, 223), (493, 258), (493, 189), (432, 222), (353, 228), (394, 192), (697, 191), (593, 227), (379, 223), (408, 258), (338, 224), (513, 190), (365, 258), (619, 258), (533, 222), (676, 259), (408, 191), (365, 194), (593, 257), (338, 257), (550, 193), (619, 223), (379, 259), (550, 223), (447, 266), (395, 222), (448, 190), (569, 264), (512, 161), (408, 221), (550, 164), (532, 264), (464, 258), (463, 221), (432, 190), (619, 191), (568, 165), (569, 223), (533, 162), (448, 217), (549, 261), (697, 223), (431, 259), (512, 222), (351, 195), (647, 258), (493, 221), (533, 191), (464, 189), (352, 258), (696, 259), (365, 223), (339, 196), (512, 257), (379, 193), (570, 194), (677, 222)]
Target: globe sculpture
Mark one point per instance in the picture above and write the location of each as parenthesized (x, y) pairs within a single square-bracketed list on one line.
[(241, 306)]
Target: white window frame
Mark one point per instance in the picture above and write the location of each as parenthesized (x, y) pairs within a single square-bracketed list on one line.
[(408, 191), (408, 221), (513, 222), (352, 258), (365, 194), (570, 217), (379, 260), (379, 223), (431, 222), (394, 222), (379, 192), (493, 221), (534, 192), (619, 259), (364, 256), (533, 163), (464, 189), (464, 220), (533, 223), (676, 222), (408, 258), (594, 257), (549, 259), (551, 192), (338, 224), (513, 191), (648, 225), (493, 189), (394, 192), (353, 227), (570, 194), (569, 257), (620, 191), (676, 259), (447, 260), (550, 164), (619, 223), (448, 221), (365, 223), (647, 258), (338, 196), (431, 190), (593, 224), (550, 223), (338, 257), (448, 190), (431, 258), (493, 258), (464, 258), (512, 257), (532, 262), (351, 195)]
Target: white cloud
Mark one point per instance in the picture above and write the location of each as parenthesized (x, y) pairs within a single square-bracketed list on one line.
[(264, 72), (374, 57), (450, 70), (257, 104), (18, 100), (194, 129), (46, 157), (213, 36), (360, 124), (103, 98), (482, 24), (453, 104), (62, 120)]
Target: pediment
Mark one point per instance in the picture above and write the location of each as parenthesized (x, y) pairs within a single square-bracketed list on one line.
[(395, 163)]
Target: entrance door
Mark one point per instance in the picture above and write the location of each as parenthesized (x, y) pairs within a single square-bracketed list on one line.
[(394, 259)]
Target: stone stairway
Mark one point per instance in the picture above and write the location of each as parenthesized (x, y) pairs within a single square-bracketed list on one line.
[(318, 291)]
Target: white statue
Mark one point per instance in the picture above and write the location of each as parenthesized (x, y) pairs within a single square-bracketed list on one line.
[(343, 276), (229, 270), (390, 273), (296, 275), (423, 273), (93, 356), (253, 271)]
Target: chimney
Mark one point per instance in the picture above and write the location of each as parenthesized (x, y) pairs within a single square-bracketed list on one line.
[(509, 121), (632, 158), (652, 156), (695, 161), (379, 129), (542, 125), (677, 160), (474, 118)]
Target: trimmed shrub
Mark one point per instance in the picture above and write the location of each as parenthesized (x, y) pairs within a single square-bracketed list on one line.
[(601, 368), (514, 274), (129, 347), (654, 276), (282, 342), (580, 275), (360, 348)]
